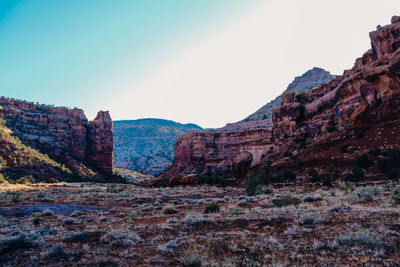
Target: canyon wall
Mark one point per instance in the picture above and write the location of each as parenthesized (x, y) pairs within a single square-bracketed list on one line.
[(308, 124), (64, 134)]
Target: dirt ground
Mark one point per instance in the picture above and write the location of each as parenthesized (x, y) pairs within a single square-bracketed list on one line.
[(125, 225)]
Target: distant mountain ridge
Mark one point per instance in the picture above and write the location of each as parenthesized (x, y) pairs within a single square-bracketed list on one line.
[(146, 145)]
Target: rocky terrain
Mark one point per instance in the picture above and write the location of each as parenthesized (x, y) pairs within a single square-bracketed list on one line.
[(124, 225), (61, 135), (147, 145), (356, 110)]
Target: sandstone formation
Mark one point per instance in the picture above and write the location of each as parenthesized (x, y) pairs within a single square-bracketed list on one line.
[(100, 147), (313, 125), (241, 165), (63, 134)]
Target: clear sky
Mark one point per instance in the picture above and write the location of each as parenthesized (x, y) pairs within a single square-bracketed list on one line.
[(208, 62)]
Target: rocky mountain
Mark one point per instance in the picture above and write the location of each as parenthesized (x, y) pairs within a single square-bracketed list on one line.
[(330, 126), (305, 82), (61, 134), (146, 145), (262, 118)]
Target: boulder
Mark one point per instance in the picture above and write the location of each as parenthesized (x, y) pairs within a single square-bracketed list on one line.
[(241, 165), (189, 179)]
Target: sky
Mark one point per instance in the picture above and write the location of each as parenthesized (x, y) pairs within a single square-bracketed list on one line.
[(208, 62)]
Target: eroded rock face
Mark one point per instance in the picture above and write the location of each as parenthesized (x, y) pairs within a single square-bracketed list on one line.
[(60, 132), (101, 142), (363, 96), (241, 165), (213, 153)]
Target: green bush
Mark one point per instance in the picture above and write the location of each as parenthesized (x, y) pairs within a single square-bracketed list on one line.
[(288, 176), (286, 201), (396, 195), (211, 208), (25, 180), (16, 196), (264, 176), (253, 185), (169, 210), (363, 161), (325, 178), (2, 179), (212, 180), (357, 175), (314, 176), (390, 165), (113, 189)]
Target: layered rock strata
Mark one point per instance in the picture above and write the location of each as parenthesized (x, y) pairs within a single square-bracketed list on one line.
[(363, 97), (62, 133)]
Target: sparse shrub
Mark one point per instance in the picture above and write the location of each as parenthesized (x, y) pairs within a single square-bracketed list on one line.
[(195, 221), (211, 208), (357, 175), (169, 210), (363, 161), (114, 189), (191, 259), (310, 218), (26, 180), (353, 199), (47, 213), (132, 215), (311, 198), (16, 197), (253, 185), (369, 193), (360, 239), (212, 180), (69, 221), (319, 245), (79, 237), (395, 198), (39, 195), (36, 220), (285, 201), (56, 252), (120, 238), (324, 178), (263, 175), (20, 241), (233, 210), (390, 164), (2, 179), (75, 213), (288, 176), (314, 176)]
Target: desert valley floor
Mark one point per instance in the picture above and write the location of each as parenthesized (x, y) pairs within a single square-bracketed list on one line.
[(85, 224)]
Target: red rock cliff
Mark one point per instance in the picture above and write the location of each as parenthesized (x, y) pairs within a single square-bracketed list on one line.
[(61, 133), (101, 142), (363, 97)]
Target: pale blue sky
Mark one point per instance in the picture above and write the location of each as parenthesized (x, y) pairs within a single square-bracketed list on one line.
[(208, 62)]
